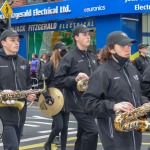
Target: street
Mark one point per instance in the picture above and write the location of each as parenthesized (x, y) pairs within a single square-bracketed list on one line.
[(38, 127)]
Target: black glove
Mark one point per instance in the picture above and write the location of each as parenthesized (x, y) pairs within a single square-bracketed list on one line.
[(49, 100)]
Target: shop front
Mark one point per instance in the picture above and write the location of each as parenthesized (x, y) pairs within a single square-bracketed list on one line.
[(44, 24)]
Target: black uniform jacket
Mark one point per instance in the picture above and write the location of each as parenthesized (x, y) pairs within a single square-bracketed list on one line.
[(145, 87), (49, 73), (141, 62), (108, 85), (14, 75), (72, 63)]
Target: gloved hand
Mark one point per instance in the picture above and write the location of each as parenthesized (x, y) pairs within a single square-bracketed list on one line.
[(49, 100)]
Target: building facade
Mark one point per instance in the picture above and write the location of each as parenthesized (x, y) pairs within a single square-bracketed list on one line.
[(45, 22)]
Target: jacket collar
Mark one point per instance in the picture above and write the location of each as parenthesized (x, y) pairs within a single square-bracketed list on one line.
[(116, 64)]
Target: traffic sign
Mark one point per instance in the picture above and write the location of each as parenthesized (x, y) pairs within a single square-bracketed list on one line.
[(6, 9)]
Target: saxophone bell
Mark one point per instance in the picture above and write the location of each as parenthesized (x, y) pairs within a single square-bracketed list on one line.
[(17, 104)]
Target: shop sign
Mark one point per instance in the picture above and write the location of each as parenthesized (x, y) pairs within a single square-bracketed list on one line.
[(61, 25), (75, 9), (51, 26)]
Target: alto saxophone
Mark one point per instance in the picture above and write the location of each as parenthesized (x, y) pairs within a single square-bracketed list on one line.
[(16, 95), (82, 85), (134, 120)]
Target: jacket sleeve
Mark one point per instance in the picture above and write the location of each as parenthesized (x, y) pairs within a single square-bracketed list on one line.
[(48, 72), (64, 77), (145, 85), (94, 99), (137, 63)]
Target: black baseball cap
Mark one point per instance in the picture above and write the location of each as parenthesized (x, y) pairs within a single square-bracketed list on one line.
[(142, 45), (49, 54), (80, 29), (120, 38), (60, 45), (10, 33)]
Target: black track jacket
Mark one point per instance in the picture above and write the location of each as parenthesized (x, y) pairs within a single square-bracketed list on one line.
[(108, 85), (141, 62), (14, 75), (72, 63)]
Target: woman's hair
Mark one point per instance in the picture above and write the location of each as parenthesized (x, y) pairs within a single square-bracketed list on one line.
[(42, 55), (105, 53), (55, 58), (35, 55)]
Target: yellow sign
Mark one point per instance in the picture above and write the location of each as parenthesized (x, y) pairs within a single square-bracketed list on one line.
[(6, 9)]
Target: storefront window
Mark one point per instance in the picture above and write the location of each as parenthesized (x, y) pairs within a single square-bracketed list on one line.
[(42, 42)]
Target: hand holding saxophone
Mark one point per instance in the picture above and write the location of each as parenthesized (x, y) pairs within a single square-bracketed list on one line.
[(31, 97), (80, 76), (82, 82), (123, 106)]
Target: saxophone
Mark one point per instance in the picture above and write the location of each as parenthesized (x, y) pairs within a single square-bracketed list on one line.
[(134, 120), (82, 85), (16, 95)]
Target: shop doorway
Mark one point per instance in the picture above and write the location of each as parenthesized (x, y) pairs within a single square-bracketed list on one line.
[(42, 42)]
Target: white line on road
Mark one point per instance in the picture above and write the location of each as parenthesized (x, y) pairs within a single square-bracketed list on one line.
[(48, 131), (38, 122), (40, 137), (31, 125)]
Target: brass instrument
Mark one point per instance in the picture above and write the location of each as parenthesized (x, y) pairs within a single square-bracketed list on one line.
[(135, 120), (82, 85), (16, 95), (55, 108)]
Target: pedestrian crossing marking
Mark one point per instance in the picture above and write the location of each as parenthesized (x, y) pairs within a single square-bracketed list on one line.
[(31, 125), (38, 122), (47, 131)]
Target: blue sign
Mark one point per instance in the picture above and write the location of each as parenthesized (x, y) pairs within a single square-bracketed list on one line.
[(74, 9), (51, 26)]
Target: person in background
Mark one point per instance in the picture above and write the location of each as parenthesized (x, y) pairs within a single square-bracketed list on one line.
[(33, 65), (15, 75), (61, 119), (143, 60), (113, 87), (145, 86), (40, 68), (78, 64)]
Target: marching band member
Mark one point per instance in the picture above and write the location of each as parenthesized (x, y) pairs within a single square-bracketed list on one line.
[(115, 86), (78, 64), (15, 75), (61, 119)]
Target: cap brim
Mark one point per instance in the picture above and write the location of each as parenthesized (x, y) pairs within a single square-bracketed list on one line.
[(143, 46), (87, 30), (64, 47), (125, 42), (20, 35)]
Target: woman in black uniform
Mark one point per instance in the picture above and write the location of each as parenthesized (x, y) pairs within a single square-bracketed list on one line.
[(115, 86), (62, 118)]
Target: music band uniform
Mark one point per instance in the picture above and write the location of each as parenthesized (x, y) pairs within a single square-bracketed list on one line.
[(61, 119), (112, 83), (142, 61), (74, 62), (15, 75)]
